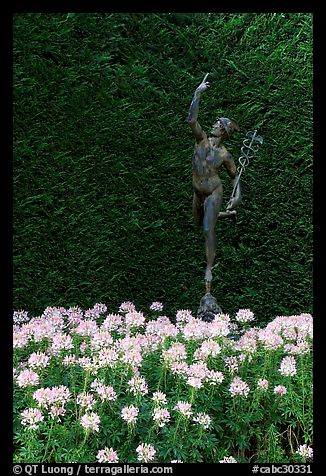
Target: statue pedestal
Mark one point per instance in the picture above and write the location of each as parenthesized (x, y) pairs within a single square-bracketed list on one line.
[(208, 307)]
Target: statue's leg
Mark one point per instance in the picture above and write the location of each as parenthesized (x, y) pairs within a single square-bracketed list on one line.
[(197, 209), (211, 210)]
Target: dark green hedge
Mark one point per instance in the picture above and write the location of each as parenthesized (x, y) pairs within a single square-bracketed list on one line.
[(102, 159)]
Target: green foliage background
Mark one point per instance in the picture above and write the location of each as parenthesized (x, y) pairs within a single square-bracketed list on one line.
[(102, 159)]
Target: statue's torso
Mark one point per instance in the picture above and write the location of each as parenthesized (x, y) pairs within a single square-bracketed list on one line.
[(206, 163)]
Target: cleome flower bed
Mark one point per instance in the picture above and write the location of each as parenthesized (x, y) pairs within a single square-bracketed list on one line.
[(98, 387)]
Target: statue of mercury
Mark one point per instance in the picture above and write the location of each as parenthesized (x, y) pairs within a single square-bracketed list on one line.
[(209, 156)]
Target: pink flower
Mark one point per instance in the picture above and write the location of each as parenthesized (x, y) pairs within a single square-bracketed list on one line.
[(182, 317), (301, 348), (27, 378), (291, 326), (38, 360), (287, 367), (83, 347), (280, 389), (90, 422), (137, 386), (203, 419), (86, 328), (20, 317), (159, 398), (107, 358), (195, 329), (161, 328), (127, 307), (130, 414), (207, 348), (57, 412), (96, 383), (31, 417), (134, 343), (107, 455), (198, 369), (132, 357), (112, 322), (244, 315), (146, 453), (305, 451), (74, 315), (219, 327), (54, 313), (156, 306), (20, 338), (44, 328), (134, 319), (214, 377), (232, 363), (296, 328), (61, 341), (176, 352), (86, 400), (101, 339), (271, 340), (50, 396), (106, 393), (262, 384), (70, 359), (96, 311), (184, 408), (88, 364), (60, 394), (179, 368), (247, 343), (41, 395), (239, 387), (195, 382), (161, 416)]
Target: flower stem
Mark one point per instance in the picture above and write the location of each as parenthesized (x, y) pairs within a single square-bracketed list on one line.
[(48, 441)]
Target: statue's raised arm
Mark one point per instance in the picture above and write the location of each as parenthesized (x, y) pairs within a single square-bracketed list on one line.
[(194, 108)]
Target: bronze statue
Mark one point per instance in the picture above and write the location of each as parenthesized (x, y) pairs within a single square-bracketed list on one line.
[(209, 156)]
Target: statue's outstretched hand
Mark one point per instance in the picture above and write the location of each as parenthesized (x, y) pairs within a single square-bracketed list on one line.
[(204, 85)]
